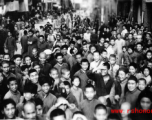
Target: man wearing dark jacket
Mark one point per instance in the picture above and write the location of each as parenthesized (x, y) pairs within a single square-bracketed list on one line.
[(24, 44)]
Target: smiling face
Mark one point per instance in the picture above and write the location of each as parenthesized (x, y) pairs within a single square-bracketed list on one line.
[(34, 77), (132, 85), (9, 111), (13, 86), (84, 65), (132, 70), (46, 88), (121, 75)]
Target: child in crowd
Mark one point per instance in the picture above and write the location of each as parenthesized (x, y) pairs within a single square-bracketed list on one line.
[(25, 76), (65, 75), (108, 48), (92, 49), (13, 92), (48, 99), (88, 105), (76, 90), (119, 88), (96, 65), (82, 73), (146, 73), (104, 57), (142, 84), (132, 93), (44, 65), (36, 66), (133, 70), (125, 59), (126, 107), (34, 78), (28, 61), (29, 93), (55, 75), (7, 57), (17, 61), (34, 56), (39, 106), (69, 96), (113, 66), (60, 65), (100, 112), (8, 105)]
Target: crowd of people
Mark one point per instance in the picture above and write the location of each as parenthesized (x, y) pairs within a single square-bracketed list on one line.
[(74, 69)]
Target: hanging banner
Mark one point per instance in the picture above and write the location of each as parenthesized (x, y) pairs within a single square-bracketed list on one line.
[(12, 6)]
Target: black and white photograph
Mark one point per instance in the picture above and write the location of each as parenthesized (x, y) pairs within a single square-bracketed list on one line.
[(76, 59)]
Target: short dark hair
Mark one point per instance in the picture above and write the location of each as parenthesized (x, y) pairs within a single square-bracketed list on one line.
[(30, 88), (64, 47), (79, 53), (26, 57), (38, 101), (25, 32), (113, 56), (5, 62), (142, 79), (103, 51), (133, 65), (77, 112), (45, 79), (41, 36), (131, 47), (96, 52), (35, 64), (84, 60), (53, 69), (133, 78), (6, 54), (71, 42), (8, 101), (100, 106), (114, 116), (139, 44), (17, 56), (58, 54), (57, 112), (89, 86), (31, 71), (107, 65), (11, 79), (66, 83), (24, 67), (75, 78)]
